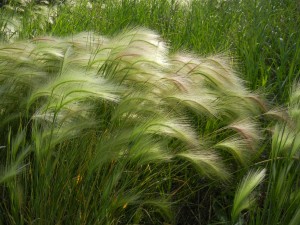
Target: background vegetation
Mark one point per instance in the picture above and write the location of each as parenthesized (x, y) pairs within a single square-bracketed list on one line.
[(149, 123)]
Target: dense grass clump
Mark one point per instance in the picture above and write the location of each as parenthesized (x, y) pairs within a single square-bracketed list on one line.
[(263, 35), (149, 123), (279, 197), (103, 127)]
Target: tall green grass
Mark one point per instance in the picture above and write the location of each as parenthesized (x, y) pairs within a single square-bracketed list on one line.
[(101, 130), (263, 35), (130, 128), (278, 200)]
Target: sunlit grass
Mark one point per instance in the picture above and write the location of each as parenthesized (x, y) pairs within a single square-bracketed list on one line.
[(113, 116), (263, 35), (149, 125)]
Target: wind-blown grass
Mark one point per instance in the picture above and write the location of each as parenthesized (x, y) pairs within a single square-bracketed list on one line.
[(126, 129), (282, 196), (278, 196), (243, 199), (263, 35), (108, 126)]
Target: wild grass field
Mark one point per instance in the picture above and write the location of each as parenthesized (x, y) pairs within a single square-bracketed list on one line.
[(150, 112)]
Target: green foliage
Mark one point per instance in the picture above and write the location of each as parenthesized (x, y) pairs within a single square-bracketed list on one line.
[(282, 195), (279, 194), (243, 198), (108, 123), (263, 35), (129, 128)]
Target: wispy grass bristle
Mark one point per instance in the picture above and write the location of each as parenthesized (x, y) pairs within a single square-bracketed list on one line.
[(206, 162), (243, 197), (118, 115), (248, 130), (238, 147)]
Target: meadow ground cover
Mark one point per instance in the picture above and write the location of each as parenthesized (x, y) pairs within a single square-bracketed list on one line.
[(132, 128)]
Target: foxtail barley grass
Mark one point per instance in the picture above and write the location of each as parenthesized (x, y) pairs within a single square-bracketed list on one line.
[(263, 35), (243, 198), (127, 129), (100, 127), (278, 196)]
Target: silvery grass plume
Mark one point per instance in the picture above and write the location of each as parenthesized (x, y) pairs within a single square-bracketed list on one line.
[(220, 94), (16, 13), (286, 134), (181, 3), (244, 197), (119, 113), (283, 184), (279, 203), (15, 165)]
